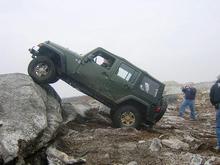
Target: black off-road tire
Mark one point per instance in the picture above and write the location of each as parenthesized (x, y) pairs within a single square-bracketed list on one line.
[(126, 109), (50, 75)]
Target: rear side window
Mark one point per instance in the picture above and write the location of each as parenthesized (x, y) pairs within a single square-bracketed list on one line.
[(127, 73), (149, 86)]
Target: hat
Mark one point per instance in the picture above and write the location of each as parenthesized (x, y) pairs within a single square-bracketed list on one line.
[(218, 77)]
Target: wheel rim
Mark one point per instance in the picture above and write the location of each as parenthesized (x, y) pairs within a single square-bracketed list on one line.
[(127, 118), (41, 69)]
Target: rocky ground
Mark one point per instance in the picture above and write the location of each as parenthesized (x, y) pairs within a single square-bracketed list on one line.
[(173, 140), (35, 129)]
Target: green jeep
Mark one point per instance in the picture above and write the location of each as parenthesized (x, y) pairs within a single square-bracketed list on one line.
[(133, 96)]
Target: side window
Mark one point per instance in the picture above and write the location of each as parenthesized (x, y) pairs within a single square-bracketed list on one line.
[(149, 86), (127, 73), (103, 59)]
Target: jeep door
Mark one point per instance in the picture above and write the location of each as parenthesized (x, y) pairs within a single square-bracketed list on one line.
[(95, 73), (123, 80)]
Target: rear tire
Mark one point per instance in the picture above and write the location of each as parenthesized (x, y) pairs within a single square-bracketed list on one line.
[(127, 116), (42, 70)]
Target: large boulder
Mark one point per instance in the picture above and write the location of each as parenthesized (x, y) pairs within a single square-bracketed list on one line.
[(29, 116)]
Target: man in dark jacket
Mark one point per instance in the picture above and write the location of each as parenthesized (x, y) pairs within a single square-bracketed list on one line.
[(215, 100), (189, 101)]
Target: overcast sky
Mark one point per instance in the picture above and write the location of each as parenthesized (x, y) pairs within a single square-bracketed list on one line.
[(171, 39)]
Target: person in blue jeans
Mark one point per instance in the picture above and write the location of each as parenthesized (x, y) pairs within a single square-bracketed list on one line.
[(189, 101), (215, 100)]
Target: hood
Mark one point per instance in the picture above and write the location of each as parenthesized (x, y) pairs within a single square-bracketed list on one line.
[(59, 49)]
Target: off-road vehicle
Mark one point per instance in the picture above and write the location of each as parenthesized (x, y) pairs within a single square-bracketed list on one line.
[(133, 95)]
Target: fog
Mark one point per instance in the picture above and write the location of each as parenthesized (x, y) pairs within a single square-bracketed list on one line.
[(170, 39)]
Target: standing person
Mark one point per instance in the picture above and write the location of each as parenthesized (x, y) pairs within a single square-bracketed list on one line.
[(215, 100), (189, 101)]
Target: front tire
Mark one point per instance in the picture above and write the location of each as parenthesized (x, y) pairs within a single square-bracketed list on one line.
[(127, 116), (42, 70)]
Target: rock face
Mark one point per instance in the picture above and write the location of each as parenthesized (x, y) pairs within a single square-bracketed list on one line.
[(29, 116)]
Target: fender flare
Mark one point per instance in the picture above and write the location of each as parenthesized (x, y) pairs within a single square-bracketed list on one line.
[(132, 97), (62, 58)]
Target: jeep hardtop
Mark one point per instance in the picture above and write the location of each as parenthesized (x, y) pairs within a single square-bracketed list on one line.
[(133, 95)]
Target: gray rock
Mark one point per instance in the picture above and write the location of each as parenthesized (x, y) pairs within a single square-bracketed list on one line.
[(173, 119), (185, 158), (104, 109), (94, 104), (29, 114), (81, 109), (156, 145), (210, 161), (130, 146), (132, 163), (68, 112), (189, 138), (141, 141), (196, 160), (175, 144), (82, 112), (56, 157)]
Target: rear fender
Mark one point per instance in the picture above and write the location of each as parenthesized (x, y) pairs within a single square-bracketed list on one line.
[(131, 97)]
